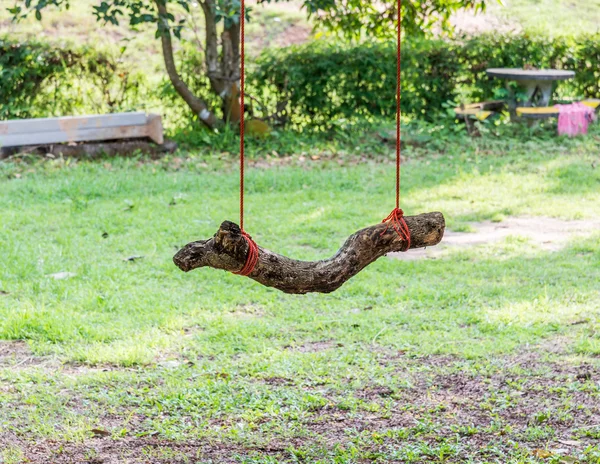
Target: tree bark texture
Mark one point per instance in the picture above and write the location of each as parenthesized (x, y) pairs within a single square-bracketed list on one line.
[(227, 250), (197, 105), (94, 150), (222, 69)]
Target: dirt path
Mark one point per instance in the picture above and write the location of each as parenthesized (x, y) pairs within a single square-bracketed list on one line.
[(549, 234)]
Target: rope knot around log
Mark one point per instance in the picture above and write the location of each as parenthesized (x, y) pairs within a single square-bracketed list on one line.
[(228, 250)]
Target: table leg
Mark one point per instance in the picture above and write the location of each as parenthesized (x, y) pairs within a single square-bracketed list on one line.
[(529, 91), (531, 88), (545, 89), (511, 101), (538, 93)]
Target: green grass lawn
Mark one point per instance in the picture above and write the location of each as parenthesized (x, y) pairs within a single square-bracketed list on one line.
[(485, 354)]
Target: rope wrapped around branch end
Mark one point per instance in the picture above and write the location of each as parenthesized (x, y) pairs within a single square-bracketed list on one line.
[(396, 219), (251, 258)]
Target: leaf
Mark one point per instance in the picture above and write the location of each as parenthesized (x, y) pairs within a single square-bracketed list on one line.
[(100, 433), (184, 4), (541, 453)]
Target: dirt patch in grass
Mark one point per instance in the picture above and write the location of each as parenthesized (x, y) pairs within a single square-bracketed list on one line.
[(278, 381), (15, 354), (247, 311), (522, 403), (523, 394), (14, 351), (548, 234), (482, 411), (131, 450), (481, 417), (314, 347), (374, 392)]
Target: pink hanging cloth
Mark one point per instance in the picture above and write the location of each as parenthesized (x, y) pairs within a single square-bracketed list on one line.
[(574, 119)]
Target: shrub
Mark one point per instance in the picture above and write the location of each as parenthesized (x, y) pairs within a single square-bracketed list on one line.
[(585, 64), (24, 68), (319, 83), (40, 79)]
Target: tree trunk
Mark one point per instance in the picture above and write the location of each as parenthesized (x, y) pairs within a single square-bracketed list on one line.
[(197, 105), (223, 74), (212, 51), (230, 69), (228, 249)]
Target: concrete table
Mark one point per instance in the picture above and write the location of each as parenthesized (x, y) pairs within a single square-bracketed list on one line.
[(538, 84)]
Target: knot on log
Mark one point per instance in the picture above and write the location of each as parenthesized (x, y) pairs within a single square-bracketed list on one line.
[(227, 250)]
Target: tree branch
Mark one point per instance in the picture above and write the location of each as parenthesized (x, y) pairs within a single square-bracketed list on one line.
[(212, 51), (197, 105), (227, 250)]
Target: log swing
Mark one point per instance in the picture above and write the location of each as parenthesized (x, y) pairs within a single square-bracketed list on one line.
[(232, 249)]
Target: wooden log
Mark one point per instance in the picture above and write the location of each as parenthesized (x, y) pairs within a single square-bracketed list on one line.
[(71, 129), (227, 250), (94, 150)]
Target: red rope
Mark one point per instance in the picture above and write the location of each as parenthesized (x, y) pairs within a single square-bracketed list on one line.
[(396, 217), (242, 114), (398, 97), (252, 257)]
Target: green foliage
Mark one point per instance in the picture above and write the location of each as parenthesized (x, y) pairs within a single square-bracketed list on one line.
[(476, 54), (328, 83), (356, 18), (106, 83), (351, 18), (585, 63), (321, 83), (24, 68), (41, 79)]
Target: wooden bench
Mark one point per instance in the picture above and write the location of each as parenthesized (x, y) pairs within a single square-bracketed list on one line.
[(73, 129), (545, 112), (480, 110), (542, 112), (592, 103)]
